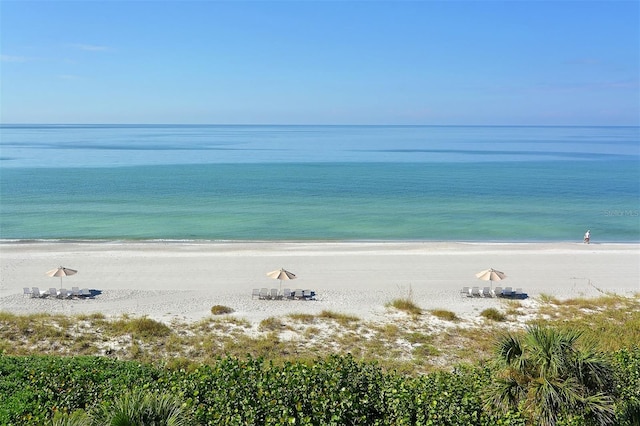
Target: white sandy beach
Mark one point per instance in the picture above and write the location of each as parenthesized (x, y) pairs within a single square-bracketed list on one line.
[(183, 280)]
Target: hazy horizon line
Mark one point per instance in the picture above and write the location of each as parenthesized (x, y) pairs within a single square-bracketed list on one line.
[(312, 125)]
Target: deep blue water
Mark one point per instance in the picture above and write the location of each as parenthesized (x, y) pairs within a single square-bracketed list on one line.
[(320, 183)]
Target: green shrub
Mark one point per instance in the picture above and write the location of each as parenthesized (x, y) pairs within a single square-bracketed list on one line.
[(425, 351), (339, 318), (33, 388), (140, 407), (335, 390), (270, 324), (221, 310), (406, 305), (444, 314), (303, 318), (493, 314), (141, 327), (77, 418), (626, 363)]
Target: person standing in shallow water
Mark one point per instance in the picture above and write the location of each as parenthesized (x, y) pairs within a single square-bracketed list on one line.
[(587, 237)]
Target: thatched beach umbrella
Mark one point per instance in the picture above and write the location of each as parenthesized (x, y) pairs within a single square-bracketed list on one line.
[(61, 272), (282, 274), (491, 275)]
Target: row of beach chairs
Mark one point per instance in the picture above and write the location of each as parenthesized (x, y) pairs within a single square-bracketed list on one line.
[(62, 293), (287, 293), (507, 292)]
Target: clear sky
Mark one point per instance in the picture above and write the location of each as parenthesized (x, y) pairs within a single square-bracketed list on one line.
[(480, 62)]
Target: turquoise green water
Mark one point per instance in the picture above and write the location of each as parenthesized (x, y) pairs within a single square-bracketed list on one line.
[(534, 195)]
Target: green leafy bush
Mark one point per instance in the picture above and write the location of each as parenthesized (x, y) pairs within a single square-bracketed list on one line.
[(626, 363), (34, 388), (337, 390)]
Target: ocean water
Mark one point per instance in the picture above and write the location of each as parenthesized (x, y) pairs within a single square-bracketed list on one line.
[(418, 183)]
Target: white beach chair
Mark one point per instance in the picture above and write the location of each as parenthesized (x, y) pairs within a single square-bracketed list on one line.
[(497, 291), (26, 291), (255, 293), (475, 292), (286, 293), (466, 292), (308, 294), (85, 292), (75, 291), (53, 292), (35, 292), (486, 292), (264, 293), (64, 294), (274, 294)]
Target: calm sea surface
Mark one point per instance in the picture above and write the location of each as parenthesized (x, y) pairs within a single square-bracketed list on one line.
[(319, 183)]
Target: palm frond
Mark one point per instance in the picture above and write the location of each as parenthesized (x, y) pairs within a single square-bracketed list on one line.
[(509, 349), (548, 376), (601, 406)]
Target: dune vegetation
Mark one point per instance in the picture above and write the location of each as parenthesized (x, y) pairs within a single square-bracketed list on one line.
[(424, 367)]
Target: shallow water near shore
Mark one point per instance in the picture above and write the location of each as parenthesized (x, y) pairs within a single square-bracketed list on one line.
[(410, 183)]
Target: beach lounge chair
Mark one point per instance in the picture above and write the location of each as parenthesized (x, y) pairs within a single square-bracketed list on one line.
[(26, 291), (75, 291), (475, 292), (264, 293), (53, 292), (36, 292), (255, 293), (308, 294), (466, 292), (507, 292), (486, 292), (519, 294), (286, 293), (497, 292), (274, 294), (298, 293), (85, 292), (64, 294)]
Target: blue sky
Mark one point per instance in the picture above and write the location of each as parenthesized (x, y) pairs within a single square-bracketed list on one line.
[(321, 62)]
